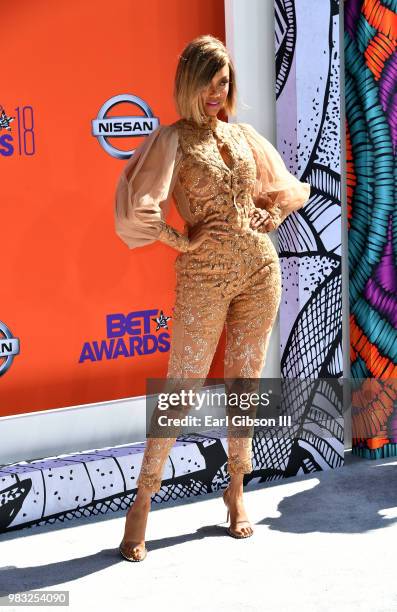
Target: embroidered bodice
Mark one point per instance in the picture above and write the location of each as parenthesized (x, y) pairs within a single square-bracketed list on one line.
[(214, 166)]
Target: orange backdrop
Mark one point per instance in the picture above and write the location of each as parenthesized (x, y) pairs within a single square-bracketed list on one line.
[(64, 268)]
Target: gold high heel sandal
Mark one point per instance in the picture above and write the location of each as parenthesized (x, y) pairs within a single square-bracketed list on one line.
[(132, 557), (229, 530)]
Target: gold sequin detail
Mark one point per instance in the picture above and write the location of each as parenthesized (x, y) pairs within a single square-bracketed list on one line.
[(235, 282)]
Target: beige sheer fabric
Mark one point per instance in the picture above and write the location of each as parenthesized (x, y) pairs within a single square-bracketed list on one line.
[(276, 189), (144, 190), (226, 169)]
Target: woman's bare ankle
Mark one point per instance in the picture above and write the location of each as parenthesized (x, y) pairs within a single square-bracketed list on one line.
[(235, 487)]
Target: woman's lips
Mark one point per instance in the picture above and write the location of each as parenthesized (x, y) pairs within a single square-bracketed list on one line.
[(212, 103)]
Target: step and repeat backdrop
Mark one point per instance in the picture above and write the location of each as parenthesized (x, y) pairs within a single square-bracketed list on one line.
[(84, 319)]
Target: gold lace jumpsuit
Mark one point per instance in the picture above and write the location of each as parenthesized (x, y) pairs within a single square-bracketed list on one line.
[(227, 168)]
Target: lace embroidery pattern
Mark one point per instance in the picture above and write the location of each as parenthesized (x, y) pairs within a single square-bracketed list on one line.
[(172, 237), (234, 283)]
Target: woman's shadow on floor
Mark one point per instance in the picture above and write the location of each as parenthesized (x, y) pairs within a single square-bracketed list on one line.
[(346, 500)]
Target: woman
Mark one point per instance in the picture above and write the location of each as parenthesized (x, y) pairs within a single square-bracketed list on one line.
[(231, 187)]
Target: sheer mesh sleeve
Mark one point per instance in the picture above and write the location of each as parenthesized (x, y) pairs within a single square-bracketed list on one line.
[(276, 190), (144, 189)]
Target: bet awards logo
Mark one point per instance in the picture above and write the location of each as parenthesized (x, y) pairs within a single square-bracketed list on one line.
[(9, 347), (110, 126), (129, 336)]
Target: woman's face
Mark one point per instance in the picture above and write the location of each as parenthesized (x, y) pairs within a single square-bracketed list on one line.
[(216, 92)]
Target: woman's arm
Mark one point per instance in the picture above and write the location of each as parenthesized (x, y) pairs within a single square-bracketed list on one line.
[(277, 190), (171, 236), (144, 190)]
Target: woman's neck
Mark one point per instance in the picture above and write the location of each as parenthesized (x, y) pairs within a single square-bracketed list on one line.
[(209, 122)]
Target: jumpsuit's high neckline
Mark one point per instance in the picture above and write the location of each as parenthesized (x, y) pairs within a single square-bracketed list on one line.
[(210, 122)]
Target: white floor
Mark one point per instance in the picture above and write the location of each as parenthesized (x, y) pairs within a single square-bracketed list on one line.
[(322, 542)]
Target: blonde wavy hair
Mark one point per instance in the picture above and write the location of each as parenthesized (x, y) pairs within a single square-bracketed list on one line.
[(201, 59)]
